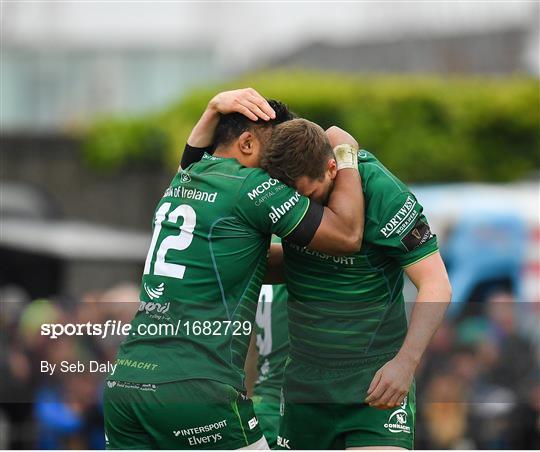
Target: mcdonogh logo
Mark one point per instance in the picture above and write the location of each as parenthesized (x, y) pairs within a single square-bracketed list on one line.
[(261, 188)]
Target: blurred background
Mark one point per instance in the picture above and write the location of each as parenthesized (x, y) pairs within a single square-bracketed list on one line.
[(98, 98)]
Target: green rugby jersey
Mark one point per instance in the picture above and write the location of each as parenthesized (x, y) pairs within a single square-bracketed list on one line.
[(204, 271), (352, 307), (272, 339)]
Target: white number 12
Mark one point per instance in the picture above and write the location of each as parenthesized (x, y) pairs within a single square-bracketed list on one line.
[(173, 242)]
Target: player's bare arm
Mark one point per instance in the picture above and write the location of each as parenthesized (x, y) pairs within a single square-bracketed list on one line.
[(343, 219), (392, 381), (337, 135), (342, 224)]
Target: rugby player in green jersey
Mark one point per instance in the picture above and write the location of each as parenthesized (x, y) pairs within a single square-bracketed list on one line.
[(272, 349), (178, 382), (349, 378)]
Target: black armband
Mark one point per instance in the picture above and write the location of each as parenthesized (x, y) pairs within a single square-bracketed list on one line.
[(192, 154), (304, 232)]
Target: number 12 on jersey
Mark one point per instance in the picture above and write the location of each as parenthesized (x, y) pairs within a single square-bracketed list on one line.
[(178, 242)]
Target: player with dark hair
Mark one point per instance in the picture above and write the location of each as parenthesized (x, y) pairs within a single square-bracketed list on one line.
[(179, 376), (352, 357), (228, 127)]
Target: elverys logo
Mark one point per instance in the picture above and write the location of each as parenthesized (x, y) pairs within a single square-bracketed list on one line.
[(278, 212), (154, 292), (111, 384), (185, 177)]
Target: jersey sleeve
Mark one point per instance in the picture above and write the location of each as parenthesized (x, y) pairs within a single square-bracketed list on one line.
[(270, 206), (192, 154), (403, 230)]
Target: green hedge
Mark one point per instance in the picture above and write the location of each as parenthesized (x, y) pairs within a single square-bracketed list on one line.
[(423, 128)]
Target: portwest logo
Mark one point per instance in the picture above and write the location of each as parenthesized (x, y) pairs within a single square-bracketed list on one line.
[(185, 177), (278, 212), (400, 216), (261, 188)]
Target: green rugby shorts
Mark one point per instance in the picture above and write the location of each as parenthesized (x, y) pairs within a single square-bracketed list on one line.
[(188, 414), (323, 408)]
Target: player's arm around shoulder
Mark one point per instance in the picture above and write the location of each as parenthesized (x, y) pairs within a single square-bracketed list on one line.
[(271, 207), (342, 226)]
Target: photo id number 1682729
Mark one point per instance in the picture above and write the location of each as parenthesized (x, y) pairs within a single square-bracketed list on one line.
[(217, 328)]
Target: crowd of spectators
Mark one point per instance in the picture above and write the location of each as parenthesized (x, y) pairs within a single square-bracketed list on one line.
[(478, 386), (479, 383), (62, 410)]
